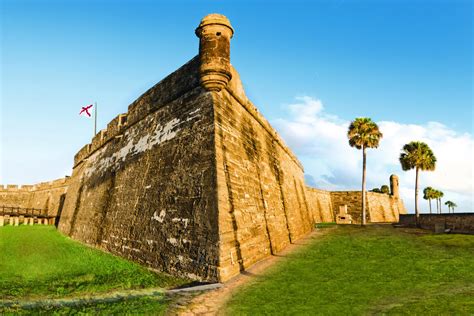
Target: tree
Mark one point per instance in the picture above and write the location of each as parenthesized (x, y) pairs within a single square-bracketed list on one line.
[(428, 194), (440, 195), (436, 194), (383, 189), (363, 133), (451, 205), (418, 156)]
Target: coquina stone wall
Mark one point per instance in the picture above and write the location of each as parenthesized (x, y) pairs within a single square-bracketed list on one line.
[(384, 208), (47, 196), (145, 187), (381, 208), (320, 205), (261, 192), (456, 222)]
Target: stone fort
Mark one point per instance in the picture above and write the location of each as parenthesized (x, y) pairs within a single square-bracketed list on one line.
[(193, 180)]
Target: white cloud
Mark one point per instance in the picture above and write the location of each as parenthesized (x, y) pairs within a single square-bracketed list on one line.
[(319, 139)]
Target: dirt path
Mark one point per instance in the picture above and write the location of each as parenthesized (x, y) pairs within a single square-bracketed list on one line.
[(213, 302), (107, 297)]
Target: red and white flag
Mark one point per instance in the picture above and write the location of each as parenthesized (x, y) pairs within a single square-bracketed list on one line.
[(85, 110)]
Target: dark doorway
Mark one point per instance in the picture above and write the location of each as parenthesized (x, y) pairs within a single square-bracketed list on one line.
[(60, 209)]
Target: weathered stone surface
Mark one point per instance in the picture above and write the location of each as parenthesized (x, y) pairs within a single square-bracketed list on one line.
[(320, 204), (381, 208), (261, 193), (150, 195), (457, 223)]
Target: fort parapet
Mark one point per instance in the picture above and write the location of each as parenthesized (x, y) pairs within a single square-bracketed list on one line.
[(46, 196), (193, 180)]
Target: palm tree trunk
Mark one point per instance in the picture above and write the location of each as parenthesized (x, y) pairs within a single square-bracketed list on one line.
[(440, 205), (437, 206), (363, 221), (430, 204), (416, 200)]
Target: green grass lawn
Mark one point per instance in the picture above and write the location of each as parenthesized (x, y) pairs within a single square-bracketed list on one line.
[(37, 261), (372, 270)]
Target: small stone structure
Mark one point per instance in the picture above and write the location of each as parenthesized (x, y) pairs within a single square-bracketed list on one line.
[(343, 217), (193, 180)]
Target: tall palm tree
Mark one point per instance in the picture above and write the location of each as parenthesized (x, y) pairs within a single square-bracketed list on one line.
[(428, 194), (448, 204), (451, 205), (440, 195), (363, 133), (435, 196), (418, 156)]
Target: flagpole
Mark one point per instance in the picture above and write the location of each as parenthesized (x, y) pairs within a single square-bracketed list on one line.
[(95, 118)]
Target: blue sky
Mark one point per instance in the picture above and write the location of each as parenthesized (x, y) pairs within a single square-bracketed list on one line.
[(407, 62)]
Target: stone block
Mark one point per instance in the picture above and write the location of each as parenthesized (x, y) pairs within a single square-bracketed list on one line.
[(343, 217), (439, 228)]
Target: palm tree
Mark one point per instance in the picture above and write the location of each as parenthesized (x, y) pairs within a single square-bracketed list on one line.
[(451, 205), (440, 195), (363, 133), (418, 156), (428, 194), (448, 204), (436, 195)]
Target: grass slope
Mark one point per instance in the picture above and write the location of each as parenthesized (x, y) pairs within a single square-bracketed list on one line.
[(372, 270), (137, 306), (37, 261)]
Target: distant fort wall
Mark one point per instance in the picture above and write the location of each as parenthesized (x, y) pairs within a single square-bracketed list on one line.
[(456, 222), (320, 205), (46, 196), (381, 208)]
